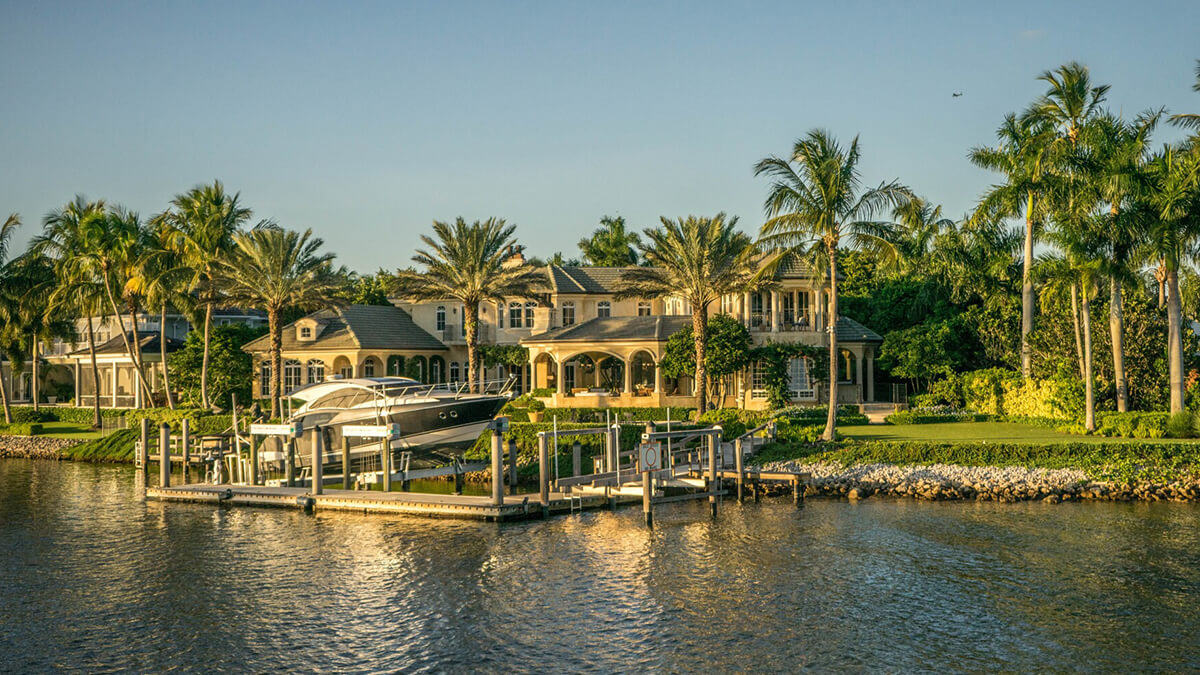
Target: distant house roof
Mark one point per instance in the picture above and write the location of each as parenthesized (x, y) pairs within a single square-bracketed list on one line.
[(116, 345), (793, 267), (615, 329), (584, 280), (849, 330), (357, 327)]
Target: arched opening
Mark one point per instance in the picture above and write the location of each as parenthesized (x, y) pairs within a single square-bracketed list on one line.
[(545, 372), (314, 371), (454, 374), (437, 370), (642, 368), (292, 376), (846, 367), (395, 365), (417, 369), (371, 367), (343, 367)]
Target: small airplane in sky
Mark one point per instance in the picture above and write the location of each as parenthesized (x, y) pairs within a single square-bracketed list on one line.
[(956, 94)]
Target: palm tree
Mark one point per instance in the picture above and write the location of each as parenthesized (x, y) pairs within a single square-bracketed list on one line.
[(611, 245), (1190, 121), (818, 206), (1174, 235), (63, 240), (8, 303), (698, 260), (163, 282), (37, 318), (919, 223), (275, 270), (1118, 154), (204, 221), (471, 264), (1022, 157)]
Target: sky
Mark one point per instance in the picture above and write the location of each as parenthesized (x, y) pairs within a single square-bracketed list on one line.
[(368, 121)]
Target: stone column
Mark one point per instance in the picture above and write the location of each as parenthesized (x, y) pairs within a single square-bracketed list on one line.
[(114, 385), (533, 383), (628, 376), (746, 309), (775, 306), (870, 356), (658, 378), (562, 376), (858, 374), (818, 310)]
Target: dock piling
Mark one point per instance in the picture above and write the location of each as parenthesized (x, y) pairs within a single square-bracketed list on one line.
[(289, 460), (737, 465), (543, 473), (385, 461), (512, 466), (713, 441), (497, 468), (164, 455), (458, 478), (647, 497), (576, 459), (144, 450), (185, 446), (255, 479), (346, 482), (318, 458)]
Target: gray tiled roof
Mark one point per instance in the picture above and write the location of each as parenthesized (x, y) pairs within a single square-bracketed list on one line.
[(793, 267), (616, 328), (584, 279), (849, 330), (115, 345), (358, 327)]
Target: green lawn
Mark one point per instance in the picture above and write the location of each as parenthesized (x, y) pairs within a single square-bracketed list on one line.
[(958, 432), (80, 432)]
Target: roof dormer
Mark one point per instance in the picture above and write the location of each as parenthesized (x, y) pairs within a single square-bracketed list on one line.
[(308, 329)]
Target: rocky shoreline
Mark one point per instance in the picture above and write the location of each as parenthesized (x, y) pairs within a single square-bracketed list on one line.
[(939, 482), (34, 447)]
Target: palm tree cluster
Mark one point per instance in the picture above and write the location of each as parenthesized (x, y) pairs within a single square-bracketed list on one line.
[(97, 261), (1105, 205)]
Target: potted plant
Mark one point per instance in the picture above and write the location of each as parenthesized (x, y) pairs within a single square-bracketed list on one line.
[(535, 409)]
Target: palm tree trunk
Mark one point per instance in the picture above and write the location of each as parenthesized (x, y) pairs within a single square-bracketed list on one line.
[(208, 312), (1160, 282), (700, 334), (4, 399), (162, 349), (1175, 340), (276, 357), (1027, 296), (95, 374), (1089, 415), (137, 357), (1075, 323), (112, 302), (471, 319), (33, 365), (831, 419), (1116, 326)]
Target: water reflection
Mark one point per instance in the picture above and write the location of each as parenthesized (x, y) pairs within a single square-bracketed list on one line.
[(95, 579)]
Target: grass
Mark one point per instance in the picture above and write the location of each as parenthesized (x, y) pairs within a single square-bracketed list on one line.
[(991, 432), (82, 432)]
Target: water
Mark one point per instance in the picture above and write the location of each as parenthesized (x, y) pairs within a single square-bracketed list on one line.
[(93, 579)]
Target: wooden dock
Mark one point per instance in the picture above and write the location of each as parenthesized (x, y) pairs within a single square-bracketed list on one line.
[(474, 507)]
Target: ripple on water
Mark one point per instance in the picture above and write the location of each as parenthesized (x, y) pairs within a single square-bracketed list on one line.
[(96, 580)]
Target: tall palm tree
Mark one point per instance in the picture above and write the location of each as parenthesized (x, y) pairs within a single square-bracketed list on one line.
[(471, 264), (698, 260), (1022, 157), (37, 317), (1070, 101), (163, 282), (919, 222), (275, 270), (611, 245), (1174, 236), (1118, 152), (63, 239), (1186, 120), (817, 205), (205, 220), (8, 303)]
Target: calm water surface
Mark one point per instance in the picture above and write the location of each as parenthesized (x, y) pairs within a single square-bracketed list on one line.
[(93, 579)]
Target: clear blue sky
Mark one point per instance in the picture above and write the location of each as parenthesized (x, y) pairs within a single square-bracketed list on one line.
[(366, 121)]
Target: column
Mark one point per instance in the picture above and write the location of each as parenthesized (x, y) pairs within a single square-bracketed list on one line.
[(775, 306), (533, 381), (870, 356), (858, 374), (78, 397), (818, 310), (562, 376), (137, 391), (746, 309), (657, 379), (628, 376), (114, 386)]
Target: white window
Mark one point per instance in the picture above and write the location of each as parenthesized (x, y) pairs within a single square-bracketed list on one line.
[(316, 371), (292, 372), (346, 371), (758, 380), (643, 308), (441, 318), (529, 314), (454, 371), (499, 317), (514, 315), (264, 376), (368, 368), (799, 382), (603, 309), (306, 332), (568, 314)]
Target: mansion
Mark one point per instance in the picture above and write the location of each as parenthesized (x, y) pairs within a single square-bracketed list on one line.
[(586, 347)]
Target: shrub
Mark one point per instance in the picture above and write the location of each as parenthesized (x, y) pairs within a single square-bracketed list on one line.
[(536, 406), (542, 392), (1135, 424), (934, 416), (1180, 425), (21, 429), (1060, 398)]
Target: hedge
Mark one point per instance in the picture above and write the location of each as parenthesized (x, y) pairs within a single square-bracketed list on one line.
[(21, 429), (202, 421), (927, 417), (26, 413), (997, 391)]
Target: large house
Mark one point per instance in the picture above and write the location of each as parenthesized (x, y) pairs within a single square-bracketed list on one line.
[(586, 347), (65, 371)]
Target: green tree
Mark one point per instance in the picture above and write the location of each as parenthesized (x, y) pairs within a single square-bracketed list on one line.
[(471, 264), (931, 350), (273, 269), (365, 289), (726, 353), (225, 347), (698, 260), (9, 303), (611, 245), (818, 206), (204, 221)]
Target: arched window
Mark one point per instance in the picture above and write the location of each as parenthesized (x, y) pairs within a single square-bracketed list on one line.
[(292, 372), (264, 377), (417, 368), (568, 314), (603, 309), (454, 371), (643, 308), (316, 371), (529, 314), (441, 318), (846, 367), (437, 368), (514, 315), (395, 365), (499, 317), (368, 367)]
